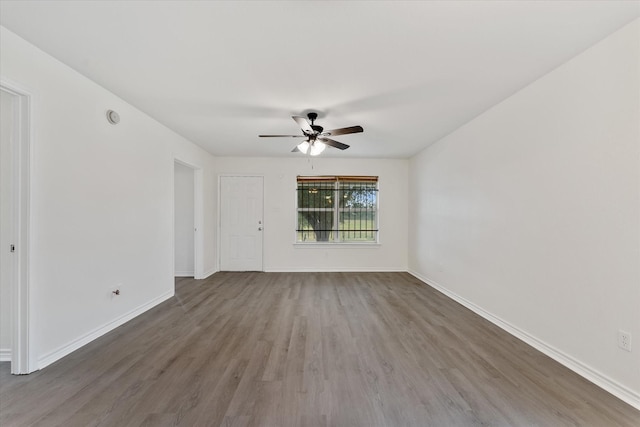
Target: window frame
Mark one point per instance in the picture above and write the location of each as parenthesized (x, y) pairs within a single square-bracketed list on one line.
[(337, 188)]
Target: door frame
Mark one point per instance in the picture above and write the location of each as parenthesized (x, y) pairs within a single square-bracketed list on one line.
[(219, 225), (23, 360), (198, 239)]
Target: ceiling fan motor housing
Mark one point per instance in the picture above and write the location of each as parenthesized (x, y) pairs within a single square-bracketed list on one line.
[(312, 117), (314, 133)]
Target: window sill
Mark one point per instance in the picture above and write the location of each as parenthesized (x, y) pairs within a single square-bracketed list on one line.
[(316, 245)]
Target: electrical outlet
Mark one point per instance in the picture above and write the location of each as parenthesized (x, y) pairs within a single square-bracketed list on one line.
[(624, 340)]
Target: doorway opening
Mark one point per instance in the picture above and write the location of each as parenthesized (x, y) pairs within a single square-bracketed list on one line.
[(187, 201)]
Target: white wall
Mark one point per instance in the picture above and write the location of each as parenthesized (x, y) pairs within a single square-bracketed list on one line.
[(280, 253), (531, 213), (102, 203), (184, 220)]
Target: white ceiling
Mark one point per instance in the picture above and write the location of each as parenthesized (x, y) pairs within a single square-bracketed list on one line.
[(220, 73)]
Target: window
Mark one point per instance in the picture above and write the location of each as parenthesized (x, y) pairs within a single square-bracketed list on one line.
[(337, 209)]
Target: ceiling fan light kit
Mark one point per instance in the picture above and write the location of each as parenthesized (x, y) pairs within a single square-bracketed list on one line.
[(317, 139), (302, 147), (317, 148)]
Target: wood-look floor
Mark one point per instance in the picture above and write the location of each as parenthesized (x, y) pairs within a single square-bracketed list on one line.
[(299, 349)]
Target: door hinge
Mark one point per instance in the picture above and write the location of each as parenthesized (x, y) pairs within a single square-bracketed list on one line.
[(13, 248)]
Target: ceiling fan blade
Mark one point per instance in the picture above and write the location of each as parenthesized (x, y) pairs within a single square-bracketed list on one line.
[(344, 131), (333, 143), (282, 136), (303, 123)]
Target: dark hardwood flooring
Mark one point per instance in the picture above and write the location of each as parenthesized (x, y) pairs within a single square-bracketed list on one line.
[(300, 349)]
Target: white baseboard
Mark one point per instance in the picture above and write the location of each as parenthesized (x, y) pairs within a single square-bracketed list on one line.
[(620, 391), (334, 270), (209, 273), (183, 274), (5, 354), (98, 332)]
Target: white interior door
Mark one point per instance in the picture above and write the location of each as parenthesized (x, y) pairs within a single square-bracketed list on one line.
[(7, 133), (241, 223), (15, 224)]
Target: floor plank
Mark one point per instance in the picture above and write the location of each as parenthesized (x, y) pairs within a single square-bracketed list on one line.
[(301, 349)]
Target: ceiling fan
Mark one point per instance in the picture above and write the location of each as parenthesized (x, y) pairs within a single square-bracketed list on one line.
[(316, 136)]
